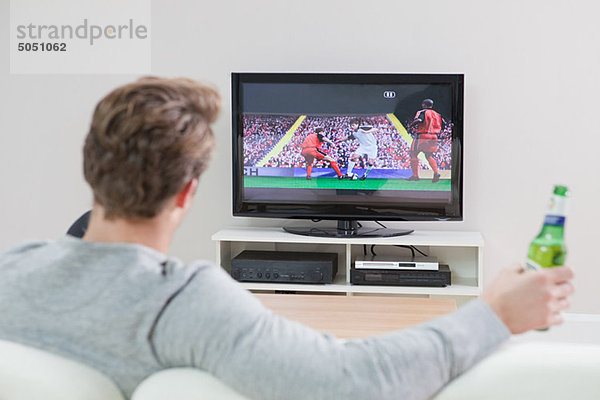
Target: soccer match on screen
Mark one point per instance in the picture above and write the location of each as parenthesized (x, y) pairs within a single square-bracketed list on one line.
[(362, 152)]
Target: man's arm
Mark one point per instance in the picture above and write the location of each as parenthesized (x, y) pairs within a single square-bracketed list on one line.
[(347, 137), (444, 123), (216, 325), (368, 129), (418, 119)]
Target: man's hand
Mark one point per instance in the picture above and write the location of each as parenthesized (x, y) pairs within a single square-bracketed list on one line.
[(532, 299)]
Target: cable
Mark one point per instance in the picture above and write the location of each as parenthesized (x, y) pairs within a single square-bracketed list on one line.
[(423, 254), (380, 224), (412, 250)]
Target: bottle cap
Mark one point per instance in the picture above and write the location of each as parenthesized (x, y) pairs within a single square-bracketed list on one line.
[(561, 190)]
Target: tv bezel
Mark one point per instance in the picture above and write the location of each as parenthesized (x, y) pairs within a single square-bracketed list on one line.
[(243, 208)]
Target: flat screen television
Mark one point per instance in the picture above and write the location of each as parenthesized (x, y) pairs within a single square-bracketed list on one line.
[(348, 147)]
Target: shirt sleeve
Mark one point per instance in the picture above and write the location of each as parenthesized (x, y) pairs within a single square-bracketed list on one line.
[(216, 325)]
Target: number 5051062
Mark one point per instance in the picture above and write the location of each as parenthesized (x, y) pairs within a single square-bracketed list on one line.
[(43, 46)]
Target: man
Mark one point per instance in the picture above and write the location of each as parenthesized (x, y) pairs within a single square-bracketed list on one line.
[(428, 125), (367, 147), (311, 149), (115, 301)]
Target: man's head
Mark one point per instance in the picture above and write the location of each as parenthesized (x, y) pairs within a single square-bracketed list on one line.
[(354, 124), (147, 141), (427, 103)]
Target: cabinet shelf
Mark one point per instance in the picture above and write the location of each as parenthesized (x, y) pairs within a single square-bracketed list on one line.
[(462, 251)]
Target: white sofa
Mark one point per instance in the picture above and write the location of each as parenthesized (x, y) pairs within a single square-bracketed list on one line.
[(27, 373), (529, 371), (184, 384), (31, 374)]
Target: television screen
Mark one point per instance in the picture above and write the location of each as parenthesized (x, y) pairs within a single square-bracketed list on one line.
[(348, 146)]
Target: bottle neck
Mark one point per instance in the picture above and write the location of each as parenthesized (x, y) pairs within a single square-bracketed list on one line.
[(558, 207), (554, 223)]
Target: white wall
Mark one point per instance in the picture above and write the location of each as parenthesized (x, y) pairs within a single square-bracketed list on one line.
[(531, 109)]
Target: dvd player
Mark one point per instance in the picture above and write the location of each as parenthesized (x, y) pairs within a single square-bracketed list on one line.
[(420, 263), (390, 277)]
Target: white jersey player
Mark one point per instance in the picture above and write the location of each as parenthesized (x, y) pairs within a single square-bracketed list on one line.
[(367, 147)]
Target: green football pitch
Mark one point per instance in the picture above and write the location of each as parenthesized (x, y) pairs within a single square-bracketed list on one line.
[(334, 183)]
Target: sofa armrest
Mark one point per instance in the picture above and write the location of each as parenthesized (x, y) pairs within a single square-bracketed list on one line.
[(536, 370)]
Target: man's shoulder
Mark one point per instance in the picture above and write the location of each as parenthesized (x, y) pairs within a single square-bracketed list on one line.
[(23, 248), (206, 280), (177, 268), (202, 272)]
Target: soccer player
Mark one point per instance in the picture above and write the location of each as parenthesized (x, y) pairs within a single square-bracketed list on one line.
[(428, 125), (311, 149), (367, 147)]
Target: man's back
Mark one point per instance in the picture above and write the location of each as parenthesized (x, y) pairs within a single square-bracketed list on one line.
[(365, 137), (127, 310), (93, 302)]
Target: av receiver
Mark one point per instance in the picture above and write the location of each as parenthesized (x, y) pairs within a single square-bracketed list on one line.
[(284, 267)]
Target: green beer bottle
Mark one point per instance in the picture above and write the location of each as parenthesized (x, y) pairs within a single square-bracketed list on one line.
[(548, 248)]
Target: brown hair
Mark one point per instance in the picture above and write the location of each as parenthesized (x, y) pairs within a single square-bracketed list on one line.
[(147, 140)]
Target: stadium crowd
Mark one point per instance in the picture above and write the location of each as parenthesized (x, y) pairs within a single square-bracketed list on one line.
[(262, 132)]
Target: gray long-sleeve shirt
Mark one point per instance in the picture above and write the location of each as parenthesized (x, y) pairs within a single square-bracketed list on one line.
[(129, 311)]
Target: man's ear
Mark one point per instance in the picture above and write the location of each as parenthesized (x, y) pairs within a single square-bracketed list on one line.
[(185, 196)]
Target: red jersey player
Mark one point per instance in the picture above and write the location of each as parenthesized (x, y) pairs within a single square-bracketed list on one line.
[(428, 126), (311, 149)]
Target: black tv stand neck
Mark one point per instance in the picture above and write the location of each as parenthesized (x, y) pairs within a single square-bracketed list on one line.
[(347, 229)]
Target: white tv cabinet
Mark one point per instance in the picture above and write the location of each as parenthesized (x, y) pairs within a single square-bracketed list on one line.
[(462, 251)]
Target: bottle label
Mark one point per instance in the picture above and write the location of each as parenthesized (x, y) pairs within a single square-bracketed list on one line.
[(554, 220), (558, 206)]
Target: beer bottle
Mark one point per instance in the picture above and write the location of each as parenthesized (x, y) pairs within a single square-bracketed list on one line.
[(548, 248)]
